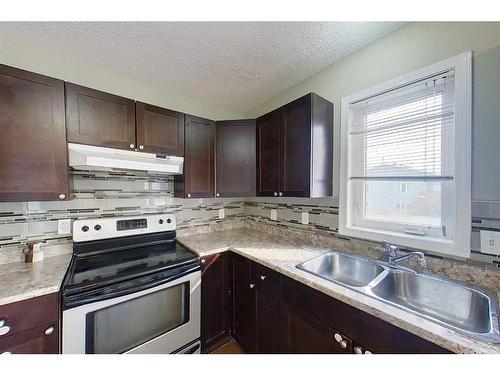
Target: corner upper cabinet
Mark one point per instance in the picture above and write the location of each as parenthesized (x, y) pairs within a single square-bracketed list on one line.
[(198, 180), (33, 153), (159, 130), (268, 154), (295, 143), (235, 158), (99, 119)]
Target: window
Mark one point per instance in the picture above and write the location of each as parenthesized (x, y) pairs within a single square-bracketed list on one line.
[(401, 179)]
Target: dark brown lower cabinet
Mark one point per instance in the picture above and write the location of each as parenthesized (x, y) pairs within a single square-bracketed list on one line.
[(40, 340), (273, 313), (268, 321), (216, 300), (243, 304), (307, 335), (33, 326)]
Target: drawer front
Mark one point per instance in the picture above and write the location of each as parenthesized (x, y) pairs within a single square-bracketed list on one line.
[(40, 340), (266, 277), (24, 315)]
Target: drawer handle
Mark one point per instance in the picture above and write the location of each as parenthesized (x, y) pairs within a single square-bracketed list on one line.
[(252, 286), (358, 350), (4, 328), (49, 331), (6, 353), (263, 277)]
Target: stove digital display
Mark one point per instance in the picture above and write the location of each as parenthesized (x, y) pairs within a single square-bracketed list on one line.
[(131, 224)]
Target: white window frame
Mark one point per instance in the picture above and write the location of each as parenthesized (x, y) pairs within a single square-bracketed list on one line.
[(460, 245)]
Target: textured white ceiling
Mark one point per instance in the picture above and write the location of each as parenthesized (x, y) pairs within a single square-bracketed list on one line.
[(237, 65)]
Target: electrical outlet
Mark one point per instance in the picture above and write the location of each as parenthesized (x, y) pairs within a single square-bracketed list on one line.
[(490, 242), (274, 214), (304, 219), (64, 226), (221, 213)]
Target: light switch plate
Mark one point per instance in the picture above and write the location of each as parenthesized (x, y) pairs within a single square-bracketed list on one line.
[(304, 219), (274, 214), (490, 242), (221, 213), (64, 226)]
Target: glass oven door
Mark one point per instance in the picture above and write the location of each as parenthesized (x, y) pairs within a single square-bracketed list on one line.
[(121, 327), (157, 319)]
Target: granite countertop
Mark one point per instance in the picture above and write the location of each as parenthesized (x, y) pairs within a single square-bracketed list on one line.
[(20, 281), (282, 254)]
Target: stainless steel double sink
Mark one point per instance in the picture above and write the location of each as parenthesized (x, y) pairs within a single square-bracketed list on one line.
[(450, 303)]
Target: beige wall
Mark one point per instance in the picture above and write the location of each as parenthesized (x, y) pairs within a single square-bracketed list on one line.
[(408, 49), (30, 57)]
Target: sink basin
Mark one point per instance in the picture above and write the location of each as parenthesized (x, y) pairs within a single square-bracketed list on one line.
[(451, 303), (343, 269), (456, 305)]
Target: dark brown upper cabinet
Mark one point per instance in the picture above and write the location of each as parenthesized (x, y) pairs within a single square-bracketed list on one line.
[(98, 118), (198, 178), (295, 149), (235, 158), (159, 130), (268, 154), (33, 153)]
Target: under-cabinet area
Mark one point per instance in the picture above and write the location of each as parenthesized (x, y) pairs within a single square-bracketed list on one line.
[(250, 187)]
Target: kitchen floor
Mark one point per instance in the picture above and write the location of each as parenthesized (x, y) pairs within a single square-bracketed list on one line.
[(231, 347)]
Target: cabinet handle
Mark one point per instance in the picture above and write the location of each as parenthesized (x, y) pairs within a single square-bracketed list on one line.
[(343, 343), (203, 261), (141, 147), (368, 352), (280, 194), (49, 331), (6, 352), (252, 286), (275, 194), (217, 195), (263, 277), (4, 327), (131, 146), (188, 195), (62, 196), (358, 350)]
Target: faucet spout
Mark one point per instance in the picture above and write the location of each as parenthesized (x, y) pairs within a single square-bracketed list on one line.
[(393, 258)]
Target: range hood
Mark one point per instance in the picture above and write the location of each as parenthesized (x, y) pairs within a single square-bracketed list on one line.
[(84, 157)]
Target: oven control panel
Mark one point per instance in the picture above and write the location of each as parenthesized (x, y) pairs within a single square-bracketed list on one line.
[(131, 224), (98, 229)]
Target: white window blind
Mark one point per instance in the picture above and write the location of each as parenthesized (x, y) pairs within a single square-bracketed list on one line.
[(399, 171)]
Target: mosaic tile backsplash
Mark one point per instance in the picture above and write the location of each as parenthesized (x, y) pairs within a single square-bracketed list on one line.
[(104, 194)]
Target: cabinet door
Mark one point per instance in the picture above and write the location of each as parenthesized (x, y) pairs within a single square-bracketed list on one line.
[(215, 300), (295, 147), (198, 178), (98, 118), (243, 304), (40, 340), (268, 154), (268, 321), (159, 130), (33, 151), (307, 335), (235, 158)]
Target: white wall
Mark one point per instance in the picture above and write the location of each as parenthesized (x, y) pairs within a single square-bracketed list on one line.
[(408, 49), (32, 58)]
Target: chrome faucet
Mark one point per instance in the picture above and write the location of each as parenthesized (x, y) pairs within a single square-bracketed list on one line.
[(393, 258)]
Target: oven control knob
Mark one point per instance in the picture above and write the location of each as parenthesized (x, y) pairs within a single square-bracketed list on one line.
[(160, 221), (169, 221), (85, 228), (97, 227)]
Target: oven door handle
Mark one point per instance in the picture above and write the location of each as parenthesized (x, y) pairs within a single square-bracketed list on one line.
[(122, 289)]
